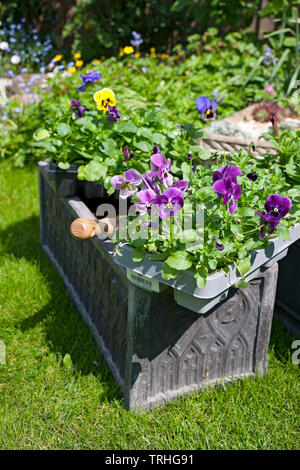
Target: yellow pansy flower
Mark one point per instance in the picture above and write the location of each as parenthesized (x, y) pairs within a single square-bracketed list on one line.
[(58, 57), (137, 55), (105, 98), (128, 50), (72, 70), (79, 63), (77, 55)]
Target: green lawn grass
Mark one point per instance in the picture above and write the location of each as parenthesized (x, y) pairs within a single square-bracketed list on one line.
[(50, 402)]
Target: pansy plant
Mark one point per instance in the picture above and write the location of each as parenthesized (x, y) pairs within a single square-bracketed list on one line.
[(242, 208)]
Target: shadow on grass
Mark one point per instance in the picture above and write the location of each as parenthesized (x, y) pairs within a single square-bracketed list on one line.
[(66, 332)]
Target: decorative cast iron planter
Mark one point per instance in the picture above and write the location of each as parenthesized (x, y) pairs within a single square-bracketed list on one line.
[(160, 339)]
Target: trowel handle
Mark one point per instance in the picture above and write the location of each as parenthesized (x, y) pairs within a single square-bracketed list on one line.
[(83, 229)]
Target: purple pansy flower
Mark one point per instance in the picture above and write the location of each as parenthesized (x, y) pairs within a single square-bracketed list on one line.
[(181, 184), (207, 108), (276, 207), (75, 105), (252, 176), (151, 182), (170, 202), (146, 197), (113, 114), (225, 184), (128, 154), (89, 77), (231, 192), (127, 184), (162, 168), (155, 149), (219, 246), (227, 171)]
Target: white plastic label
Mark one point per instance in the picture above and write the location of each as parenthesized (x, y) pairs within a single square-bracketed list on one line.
[(143, 282)]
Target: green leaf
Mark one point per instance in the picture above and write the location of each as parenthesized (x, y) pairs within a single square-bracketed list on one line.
[(63, 129), (95, 171), (167, 272), (246, 212), (283, 233), (243, 265), (200, 279), (67, 361), (204, 154), (179, 260), (127, 127), (143, 146), (108, 147), (188, 236), (41, 134), (138, 254), (242, 284), (63, 166)]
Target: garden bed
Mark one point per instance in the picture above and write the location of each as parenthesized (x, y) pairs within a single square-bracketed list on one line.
[(244, 130)]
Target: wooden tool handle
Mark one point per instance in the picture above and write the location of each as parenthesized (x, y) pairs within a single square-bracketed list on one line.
[(83, 229)]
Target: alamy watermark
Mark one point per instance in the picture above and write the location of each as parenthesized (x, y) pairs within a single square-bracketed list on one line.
[(2, 353), (296, 353)]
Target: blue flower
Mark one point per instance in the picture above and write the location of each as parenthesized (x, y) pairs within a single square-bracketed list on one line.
[(90, 77), (207, 108), (137, 39)]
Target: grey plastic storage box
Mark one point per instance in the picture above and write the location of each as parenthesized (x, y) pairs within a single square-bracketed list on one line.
[(158, 338)]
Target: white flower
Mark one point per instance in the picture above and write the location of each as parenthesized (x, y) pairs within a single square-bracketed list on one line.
[(15, 59), (4, 45)]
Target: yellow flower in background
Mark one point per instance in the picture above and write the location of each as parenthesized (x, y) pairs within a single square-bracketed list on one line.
[(72, 70), (164, 56), (77, 55), (121, 52), (58, 57), (137, 55), (79, 63), (128, 50), (105, 98), (97, 61), (152, 52)]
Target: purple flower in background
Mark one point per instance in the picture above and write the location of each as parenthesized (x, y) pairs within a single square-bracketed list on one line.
[(276, 207), (90, 77), (137, 39), (128, 154), (76, 106), (155, 149), (252, 176), (269, 89), (113, 114), (219, 246), (170, 202), (207, 108), (127, 184), (146, 196), (162, 168)]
